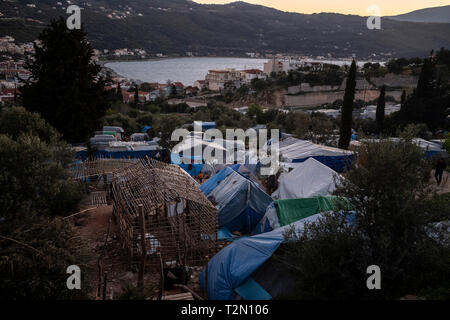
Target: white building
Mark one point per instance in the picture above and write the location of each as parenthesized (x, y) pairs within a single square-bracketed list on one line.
[(276, 65), (219, 79), (248, 75)]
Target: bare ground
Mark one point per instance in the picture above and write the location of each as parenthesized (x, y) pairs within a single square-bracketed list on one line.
[(99, 230)]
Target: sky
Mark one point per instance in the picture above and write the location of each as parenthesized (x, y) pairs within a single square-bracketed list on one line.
[(359, 7)]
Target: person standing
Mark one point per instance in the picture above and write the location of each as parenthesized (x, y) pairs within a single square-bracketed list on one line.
[(440, 167)]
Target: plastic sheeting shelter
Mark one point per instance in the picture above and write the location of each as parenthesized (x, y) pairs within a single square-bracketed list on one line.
[(284, 212), (297, 151), (309, 179), (231, 268), (125, 154), (430, 148), (240, 202)]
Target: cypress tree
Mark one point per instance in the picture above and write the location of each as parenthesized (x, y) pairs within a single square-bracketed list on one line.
[(136, 95), (381, 109), (119, 94), (64, 86), (347, 108)]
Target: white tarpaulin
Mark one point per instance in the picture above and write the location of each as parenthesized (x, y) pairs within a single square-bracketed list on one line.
[(292, 149), (310, 179)]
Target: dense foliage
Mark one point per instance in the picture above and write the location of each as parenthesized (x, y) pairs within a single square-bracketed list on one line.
[(393, 227), (36, 245), (64, 87)]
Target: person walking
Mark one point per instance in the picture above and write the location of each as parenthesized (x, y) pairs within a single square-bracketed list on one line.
[(440, 167)]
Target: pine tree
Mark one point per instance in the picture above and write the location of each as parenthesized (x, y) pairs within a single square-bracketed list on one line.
[(381, 109), (64, 86), (347, 108)]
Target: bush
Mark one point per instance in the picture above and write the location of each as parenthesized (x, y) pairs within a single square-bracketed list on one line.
[(393, 228), (34, 259)]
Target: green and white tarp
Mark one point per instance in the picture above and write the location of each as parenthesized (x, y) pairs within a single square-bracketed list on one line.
[(284, 212)]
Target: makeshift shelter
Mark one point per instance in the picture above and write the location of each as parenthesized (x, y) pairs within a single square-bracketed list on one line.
[(296, 151), (230, 271), (309, 179), (240, 202), (244, 269), (190, 154), (164, 203), (284, 212), (429, 148)]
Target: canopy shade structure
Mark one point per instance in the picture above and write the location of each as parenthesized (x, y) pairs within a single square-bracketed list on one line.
[(309, 179), (296, 151), (240, 202)]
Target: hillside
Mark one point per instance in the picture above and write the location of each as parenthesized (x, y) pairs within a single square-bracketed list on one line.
[(429, 15), (178, 26)]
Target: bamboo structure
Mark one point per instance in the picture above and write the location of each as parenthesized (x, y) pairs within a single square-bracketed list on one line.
[(180, 222), (93, 169)]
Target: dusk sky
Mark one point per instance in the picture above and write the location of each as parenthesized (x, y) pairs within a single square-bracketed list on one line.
[(359, 7)]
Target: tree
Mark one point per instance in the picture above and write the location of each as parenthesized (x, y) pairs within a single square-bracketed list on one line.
[(34, 175), (136, 95), (381, 104), (36, 247), (347, 108), (64, 86), (392, 226), (119, 94), (403, 102)]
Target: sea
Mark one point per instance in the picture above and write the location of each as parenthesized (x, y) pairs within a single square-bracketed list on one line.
[(184, 70), (190, 69)]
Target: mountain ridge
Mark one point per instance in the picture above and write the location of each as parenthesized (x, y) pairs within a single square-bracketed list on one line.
[(181, 26), (427, 15)]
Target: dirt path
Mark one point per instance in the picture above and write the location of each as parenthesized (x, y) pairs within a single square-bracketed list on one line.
[(445, 185)]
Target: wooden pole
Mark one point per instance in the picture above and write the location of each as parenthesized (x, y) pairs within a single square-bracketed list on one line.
[(99, 286), (143, 246), (206, 276), (161, 281), (105, 281)]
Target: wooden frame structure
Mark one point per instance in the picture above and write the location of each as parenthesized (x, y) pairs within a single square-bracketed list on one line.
[(163, 203)]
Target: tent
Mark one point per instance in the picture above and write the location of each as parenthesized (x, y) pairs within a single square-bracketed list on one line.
[(309, 179), (296, 151), (240, 202), (230, 270), (429, 148), (244, 268), (284, 212)]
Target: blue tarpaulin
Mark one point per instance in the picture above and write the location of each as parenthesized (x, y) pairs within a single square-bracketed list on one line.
[(193, 168), (240, 202), (103, 154), (233, 265)]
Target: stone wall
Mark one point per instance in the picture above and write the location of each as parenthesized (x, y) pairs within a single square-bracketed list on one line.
[(313, 99)]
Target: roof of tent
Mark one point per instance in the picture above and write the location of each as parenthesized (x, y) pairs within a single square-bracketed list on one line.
[(292, 210), (240, 202), (229, 268), (292, 149), (283, 212), (309, 179)]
